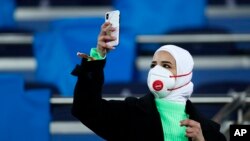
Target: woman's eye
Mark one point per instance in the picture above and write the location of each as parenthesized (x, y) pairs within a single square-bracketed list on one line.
[(165, 66), (152, 65)]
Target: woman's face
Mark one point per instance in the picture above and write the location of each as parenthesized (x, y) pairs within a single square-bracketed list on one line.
[(166, 60)]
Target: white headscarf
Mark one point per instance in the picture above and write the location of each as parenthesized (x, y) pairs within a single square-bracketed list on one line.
[(184, 65)]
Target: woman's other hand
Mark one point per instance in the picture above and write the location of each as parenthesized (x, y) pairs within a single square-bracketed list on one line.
[(193, 130)]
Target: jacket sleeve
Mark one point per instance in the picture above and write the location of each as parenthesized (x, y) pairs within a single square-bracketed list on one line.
[(107, 119), (212, 131)]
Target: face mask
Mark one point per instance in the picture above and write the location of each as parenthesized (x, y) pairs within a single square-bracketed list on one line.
[(160, 81)]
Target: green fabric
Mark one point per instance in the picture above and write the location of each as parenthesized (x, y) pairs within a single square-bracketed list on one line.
[(95, 54), (171, 114)]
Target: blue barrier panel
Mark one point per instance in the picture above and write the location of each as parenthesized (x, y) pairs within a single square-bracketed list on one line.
[(7, 9), (160, 16), (25, 115)]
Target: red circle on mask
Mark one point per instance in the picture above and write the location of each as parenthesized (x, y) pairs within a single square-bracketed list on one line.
[(158, 85)]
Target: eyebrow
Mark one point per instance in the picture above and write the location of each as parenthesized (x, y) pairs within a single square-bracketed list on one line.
[(167, 62)]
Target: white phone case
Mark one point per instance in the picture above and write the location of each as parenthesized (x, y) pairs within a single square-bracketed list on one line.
[(114, 18)]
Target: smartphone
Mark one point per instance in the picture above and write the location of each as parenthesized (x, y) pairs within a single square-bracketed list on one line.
[(114, 18)]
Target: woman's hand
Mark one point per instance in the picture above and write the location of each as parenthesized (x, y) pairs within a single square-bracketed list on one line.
[(104, 37), (193, 130)]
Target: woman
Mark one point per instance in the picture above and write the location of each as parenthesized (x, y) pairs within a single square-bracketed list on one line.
[(165, 114)]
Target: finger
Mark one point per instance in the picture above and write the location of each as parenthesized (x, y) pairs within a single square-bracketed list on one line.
[(106, 38), (110, 47), (191, 135), (190, 123), (189, 130), (104, 45), (186, 122), (104, 25), (193, 132), (108, 31), (111, 29)]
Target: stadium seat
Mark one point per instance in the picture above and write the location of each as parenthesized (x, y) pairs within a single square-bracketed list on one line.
[(220, 81), (16, 49), (224, 48), (64, 2), (222, 87)]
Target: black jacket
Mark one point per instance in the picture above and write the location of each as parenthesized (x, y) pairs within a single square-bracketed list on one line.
[(133, 119)]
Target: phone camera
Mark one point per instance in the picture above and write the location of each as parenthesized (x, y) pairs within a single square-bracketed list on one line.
[(107, 16)]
